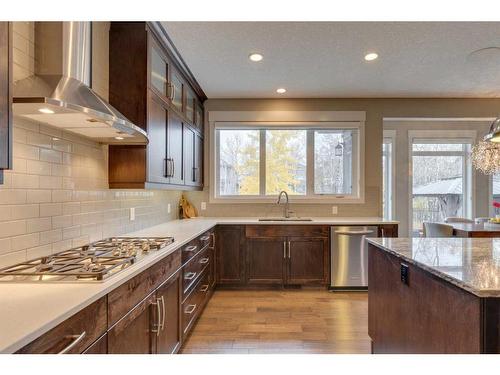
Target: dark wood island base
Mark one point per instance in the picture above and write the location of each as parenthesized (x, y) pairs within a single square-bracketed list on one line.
[(412, 310)]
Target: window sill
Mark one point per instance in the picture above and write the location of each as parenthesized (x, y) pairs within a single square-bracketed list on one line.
[(293, 200)]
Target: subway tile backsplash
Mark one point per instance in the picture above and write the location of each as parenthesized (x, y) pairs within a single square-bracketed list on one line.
[(57, 197)]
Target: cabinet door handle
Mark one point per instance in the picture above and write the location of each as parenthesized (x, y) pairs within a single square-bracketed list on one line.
[(72, 344), (191, 248), (204, 260), (190, 276), (213, 240), (204, 288), (164, 313), (190, 309), (288, 249), (284, 249), (173, 167), (158, 327)]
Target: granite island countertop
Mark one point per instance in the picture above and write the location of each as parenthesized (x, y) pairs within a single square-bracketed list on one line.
[(472, 264), (29, 309)]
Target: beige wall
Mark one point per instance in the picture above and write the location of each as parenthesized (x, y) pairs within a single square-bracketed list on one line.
[(376, 110)]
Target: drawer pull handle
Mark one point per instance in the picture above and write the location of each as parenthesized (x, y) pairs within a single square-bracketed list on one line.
[(76, 340), (205, 238), (190, 309), (204, 288), (190, 275), (204, 260), (191, 248)]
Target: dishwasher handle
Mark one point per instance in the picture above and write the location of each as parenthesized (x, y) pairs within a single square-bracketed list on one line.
[(354, 232)]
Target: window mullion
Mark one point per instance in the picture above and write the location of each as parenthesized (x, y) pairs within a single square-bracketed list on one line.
[(310, 163), (262, 162)]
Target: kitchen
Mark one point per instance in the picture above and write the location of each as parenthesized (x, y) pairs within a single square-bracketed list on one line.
[(150, 205)]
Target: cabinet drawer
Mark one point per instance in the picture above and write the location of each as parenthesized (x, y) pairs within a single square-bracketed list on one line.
[(190, 250), (206, 239), (191, 271), (286, 230), (73, 335), (126, 296), (193, 305)]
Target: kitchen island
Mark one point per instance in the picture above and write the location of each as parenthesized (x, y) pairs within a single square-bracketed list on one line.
[(434, 295)]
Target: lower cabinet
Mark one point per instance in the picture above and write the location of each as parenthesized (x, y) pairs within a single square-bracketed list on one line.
[(136, 332), (169, 336), (230, 254), (266, 260), (308, 260)]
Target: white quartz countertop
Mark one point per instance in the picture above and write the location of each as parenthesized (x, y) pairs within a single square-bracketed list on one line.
[(29, 309), (472, 264)]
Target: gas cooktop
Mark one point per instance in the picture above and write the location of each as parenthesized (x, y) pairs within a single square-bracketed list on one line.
[(94, 262)]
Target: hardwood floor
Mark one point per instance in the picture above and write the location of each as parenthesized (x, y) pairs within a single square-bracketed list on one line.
[(291, 321)]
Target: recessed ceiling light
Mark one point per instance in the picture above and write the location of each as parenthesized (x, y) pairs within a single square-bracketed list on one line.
[(371, 56), (46, 110), (255, 57), (281, 90), (119, 138)]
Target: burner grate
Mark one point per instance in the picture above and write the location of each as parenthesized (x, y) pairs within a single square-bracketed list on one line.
[(95, 261)]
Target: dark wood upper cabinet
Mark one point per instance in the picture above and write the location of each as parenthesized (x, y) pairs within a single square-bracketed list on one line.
[(148, 85), (5, 97), (175, 151)]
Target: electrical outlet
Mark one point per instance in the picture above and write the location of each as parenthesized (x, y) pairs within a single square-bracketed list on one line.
[(132, 213), (335, 210), (169, 208), (203, 206)]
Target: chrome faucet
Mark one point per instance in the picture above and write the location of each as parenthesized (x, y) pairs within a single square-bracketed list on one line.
[(286, 211)]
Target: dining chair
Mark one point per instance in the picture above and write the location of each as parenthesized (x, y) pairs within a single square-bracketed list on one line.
[(453, 219), (437, 230)]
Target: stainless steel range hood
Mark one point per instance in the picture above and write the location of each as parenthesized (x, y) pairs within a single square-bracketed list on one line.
[(59, 93)]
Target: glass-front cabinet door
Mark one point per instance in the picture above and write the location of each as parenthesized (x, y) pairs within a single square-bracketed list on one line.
[(190, 105), (159, 71), (177, 94), (199, 118)]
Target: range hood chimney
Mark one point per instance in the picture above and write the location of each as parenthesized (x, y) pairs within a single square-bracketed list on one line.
[(59, 93)]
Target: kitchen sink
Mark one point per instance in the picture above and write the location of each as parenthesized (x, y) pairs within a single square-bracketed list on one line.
[(285, 219)]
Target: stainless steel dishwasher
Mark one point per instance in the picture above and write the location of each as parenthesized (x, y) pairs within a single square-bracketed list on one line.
[(349, 257)]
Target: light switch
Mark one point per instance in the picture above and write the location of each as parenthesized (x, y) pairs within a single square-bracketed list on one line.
[(169, 208), (203, 206), (335, 210), (132, 213)]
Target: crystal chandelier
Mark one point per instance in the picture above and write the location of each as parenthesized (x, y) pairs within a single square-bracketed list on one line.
[(486, 157)]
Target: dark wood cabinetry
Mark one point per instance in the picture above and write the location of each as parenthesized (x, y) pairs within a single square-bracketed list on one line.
[(5, 97), (169, 337), (136, 332), (308, 260), (230, 254), (265, 260), (149, 87), (274, 256)]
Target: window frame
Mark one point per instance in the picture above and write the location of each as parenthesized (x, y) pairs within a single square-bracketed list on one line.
[(442, 137), (388, 213), (358, 160)]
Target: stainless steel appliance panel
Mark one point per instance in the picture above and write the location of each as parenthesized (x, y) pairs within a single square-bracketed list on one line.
[(349, 256)]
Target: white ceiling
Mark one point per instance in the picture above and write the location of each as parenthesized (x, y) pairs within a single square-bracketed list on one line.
[(325, 59)]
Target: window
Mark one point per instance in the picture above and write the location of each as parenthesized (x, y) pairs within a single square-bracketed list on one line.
[(308, 162), (441, 180), (387, 177)]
